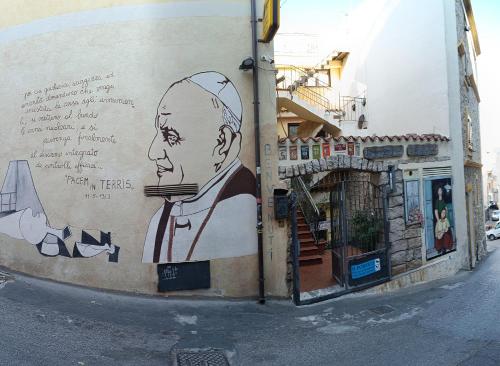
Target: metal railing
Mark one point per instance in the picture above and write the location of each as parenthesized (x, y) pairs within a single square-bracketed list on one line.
[(353, 107), (307, 206), (297, 80)]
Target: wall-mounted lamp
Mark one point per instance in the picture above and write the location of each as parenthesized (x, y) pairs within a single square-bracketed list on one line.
[(390, 173), (247, 64)]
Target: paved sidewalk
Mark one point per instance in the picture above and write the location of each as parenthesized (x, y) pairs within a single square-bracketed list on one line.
[(455, 321)]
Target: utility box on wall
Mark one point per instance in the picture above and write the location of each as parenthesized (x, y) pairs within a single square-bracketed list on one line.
[(280, 204)]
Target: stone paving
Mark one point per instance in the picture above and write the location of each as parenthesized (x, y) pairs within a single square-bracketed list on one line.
[(452, 321)]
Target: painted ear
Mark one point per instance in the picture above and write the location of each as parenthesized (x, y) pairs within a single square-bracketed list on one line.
[(222, 149), (224, 141)]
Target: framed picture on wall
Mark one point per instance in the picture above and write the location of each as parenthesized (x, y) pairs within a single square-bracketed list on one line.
[(282, 152), (293, 152), (340, 148), (413, 215), (350, 148), (326, 150), (316, 152), (357, 149), (304, 152)]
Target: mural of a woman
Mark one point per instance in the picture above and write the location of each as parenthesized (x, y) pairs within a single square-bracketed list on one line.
[(444, 238), (439, 205), (443, 235)]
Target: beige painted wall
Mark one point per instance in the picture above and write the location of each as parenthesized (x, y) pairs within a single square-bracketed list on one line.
[(24, 11), (137, 57)]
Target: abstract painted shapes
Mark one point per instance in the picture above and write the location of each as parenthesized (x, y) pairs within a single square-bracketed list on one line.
[(52, 246), (19, 189), (89, 246), (22, 217)]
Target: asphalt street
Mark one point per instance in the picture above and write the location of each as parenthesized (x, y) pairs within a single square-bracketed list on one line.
[(454, 321)]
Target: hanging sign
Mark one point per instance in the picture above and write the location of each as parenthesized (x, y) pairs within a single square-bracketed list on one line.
[(270, 20)]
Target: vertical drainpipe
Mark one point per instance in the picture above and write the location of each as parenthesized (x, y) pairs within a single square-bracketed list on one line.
[(258, 186)]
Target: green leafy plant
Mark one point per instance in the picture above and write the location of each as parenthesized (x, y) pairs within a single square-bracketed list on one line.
[(366, 227)]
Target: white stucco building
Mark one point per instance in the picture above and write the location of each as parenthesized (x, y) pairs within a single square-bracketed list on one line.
[(404, 68)]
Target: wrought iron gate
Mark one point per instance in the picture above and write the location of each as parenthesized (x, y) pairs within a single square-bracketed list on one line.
[(359, 234), (358, 237)]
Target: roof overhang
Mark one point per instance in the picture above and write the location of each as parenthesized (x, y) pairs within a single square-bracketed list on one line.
[(472, 24)]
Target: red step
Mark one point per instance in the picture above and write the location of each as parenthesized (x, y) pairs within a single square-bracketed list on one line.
[(302, 227), (310, 260), (305, 234), (322, 244), (307, 242), (308, 251)]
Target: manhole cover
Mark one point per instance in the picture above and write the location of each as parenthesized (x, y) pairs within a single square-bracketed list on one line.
[(383, 309), (201, 358)]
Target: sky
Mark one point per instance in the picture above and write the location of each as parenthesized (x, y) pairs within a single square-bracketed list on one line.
[(326, 18), (487, 14)]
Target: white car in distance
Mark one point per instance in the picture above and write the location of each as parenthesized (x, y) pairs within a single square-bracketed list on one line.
[(495, 215), (494, 233)]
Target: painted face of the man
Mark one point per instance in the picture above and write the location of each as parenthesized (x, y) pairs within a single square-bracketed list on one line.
[(187, 123)]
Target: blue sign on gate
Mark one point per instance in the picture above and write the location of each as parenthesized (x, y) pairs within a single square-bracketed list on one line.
[(365, 269)]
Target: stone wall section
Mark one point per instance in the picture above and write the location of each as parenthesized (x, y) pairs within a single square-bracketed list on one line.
[(336, 162), (473, 178), (469, 106), (405, 240)]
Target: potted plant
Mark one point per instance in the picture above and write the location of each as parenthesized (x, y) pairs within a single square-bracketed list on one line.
[(366, 227)]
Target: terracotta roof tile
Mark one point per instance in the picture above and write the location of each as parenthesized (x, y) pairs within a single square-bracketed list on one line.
[(373, 138)]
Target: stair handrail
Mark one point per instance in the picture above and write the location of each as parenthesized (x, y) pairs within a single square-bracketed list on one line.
[(313, 97), (307, 206), (303, 72), (293, 79)]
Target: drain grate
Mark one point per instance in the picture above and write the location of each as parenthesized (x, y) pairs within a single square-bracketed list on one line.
[(383, 309), (201, 358)]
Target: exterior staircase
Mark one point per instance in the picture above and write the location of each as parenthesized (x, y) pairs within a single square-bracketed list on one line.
[(310, 252), (310, 103)]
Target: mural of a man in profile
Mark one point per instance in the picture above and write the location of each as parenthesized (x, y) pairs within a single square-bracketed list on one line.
[(198, 141)]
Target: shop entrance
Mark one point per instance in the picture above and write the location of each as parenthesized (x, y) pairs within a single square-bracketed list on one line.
[(342, 220)]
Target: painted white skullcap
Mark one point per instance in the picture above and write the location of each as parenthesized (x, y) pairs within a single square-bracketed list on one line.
[(222, 88)]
